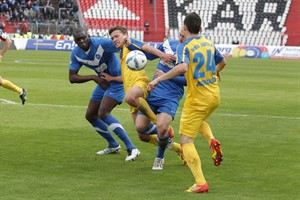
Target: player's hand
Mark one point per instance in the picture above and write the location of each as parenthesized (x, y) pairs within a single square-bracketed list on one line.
[(106, 76), (219, 76), (152, 85), (127, 41), (158, 73), (168, 58), (102, 82)]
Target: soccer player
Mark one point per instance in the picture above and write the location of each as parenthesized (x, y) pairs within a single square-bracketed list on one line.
[(98, 54), (6, 83), (197, 58), (164, 101), (135, 82)]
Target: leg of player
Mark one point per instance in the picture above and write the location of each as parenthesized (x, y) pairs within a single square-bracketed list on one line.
[(214, 144), (101, 128), (194, 163), (147, 131), (163, 122), (107, 104), (135, 98), (9, 85)]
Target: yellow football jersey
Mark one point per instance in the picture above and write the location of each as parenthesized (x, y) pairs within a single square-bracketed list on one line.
[(130, 77)]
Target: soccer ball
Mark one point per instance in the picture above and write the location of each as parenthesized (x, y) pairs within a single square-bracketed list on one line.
[(136, 60)]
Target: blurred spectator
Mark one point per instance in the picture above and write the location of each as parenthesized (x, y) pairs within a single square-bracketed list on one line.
[(24, 26), (4, 6), (53, 37), (62, 37), (49, 10), (20, 15), (147, 25), (62, 4)]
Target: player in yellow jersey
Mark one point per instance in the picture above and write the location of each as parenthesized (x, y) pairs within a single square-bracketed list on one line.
[(201, 63), (135, 82), (6, 83)]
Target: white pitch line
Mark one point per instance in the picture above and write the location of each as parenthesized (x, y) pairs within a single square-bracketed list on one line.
[(4, 101)]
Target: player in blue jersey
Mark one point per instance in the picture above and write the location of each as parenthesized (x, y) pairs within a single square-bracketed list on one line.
[(201, 63), (98, 54), (4, 82), (164, 101), (135, 82)]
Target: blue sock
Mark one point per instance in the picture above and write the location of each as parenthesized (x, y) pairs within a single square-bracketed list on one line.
[(118, 129), (162, 145), (101, 128), (160, 153), (151, 129)]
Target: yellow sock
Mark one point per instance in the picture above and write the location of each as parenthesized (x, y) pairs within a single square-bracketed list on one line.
[(9, 85), (194, 163), (176, 147), (153, 140), (145, 108), (206, 132)]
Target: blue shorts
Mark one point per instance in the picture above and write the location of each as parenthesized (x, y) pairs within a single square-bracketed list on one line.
[(114, 91), (162, 105)]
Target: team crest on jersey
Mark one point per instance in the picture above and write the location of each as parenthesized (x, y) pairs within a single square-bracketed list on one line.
[(97, 56), (101, 68)]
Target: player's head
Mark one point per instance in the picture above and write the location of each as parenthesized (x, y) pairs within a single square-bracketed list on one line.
[(192, 23), (82, 38), (118, 35), (181, 35)]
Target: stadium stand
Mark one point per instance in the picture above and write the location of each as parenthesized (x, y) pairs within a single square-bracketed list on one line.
[(252, 22), (100, 15), (41, 16)]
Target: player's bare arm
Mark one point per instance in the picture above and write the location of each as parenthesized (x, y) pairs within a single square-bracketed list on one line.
[(109, 77), (74, 77), (220, 67), (165, 57)]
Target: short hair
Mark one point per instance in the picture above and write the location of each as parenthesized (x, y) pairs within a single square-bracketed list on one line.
[(80, 31), (193, 23), (120, 28)]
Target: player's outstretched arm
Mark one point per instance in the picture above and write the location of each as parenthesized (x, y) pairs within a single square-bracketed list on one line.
[(165, 57), (176, 71)]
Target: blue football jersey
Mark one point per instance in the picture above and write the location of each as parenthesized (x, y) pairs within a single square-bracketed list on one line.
[(100, 57), (173, 88)]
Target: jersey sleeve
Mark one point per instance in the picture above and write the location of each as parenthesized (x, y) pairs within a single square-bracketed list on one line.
[(137, 45), (218, 56), (74, 64), (182, 54)]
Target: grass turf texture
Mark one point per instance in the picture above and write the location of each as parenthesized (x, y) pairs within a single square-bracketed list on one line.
[(47, 148)]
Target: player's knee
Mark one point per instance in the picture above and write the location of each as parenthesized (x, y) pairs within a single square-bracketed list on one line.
[(131, 101), (90, 118), (162, 131), (103, 115)]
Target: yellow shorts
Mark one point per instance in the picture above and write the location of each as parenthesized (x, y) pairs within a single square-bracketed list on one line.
[(194, 112), (143, 85)]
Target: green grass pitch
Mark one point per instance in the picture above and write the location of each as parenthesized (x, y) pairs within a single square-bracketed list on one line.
[(47, 148)]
